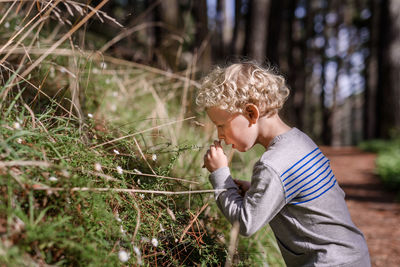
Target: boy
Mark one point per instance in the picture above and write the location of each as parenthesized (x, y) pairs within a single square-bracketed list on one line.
[(292, 187)]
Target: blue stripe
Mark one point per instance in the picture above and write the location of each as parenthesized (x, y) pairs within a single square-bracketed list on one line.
[(296, 203), (317, 189), (302, 166), (299, 161), (304, 172), (317, 183), (306, 178)]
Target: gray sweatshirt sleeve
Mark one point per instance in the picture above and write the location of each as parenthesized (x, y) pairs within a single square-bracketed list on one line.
[(261, 203)]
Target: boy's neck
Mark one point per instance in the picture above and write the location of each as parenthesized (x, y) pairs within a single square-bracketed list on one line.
[(269, 128)]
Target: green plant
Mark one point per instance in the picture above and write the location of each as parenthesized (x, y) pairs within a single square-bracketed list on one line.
[(388, 160)]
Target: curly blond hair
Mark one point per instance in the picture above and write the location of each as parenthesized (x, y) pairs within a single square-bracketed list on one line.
[(233, 87)]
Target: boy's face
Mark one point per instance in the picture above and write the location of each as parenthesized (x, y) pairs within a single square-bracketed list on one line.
[(235, 129)]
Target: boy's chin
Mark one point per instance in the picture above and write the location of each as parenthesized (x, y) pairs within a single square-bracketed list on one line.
[(240, 149)]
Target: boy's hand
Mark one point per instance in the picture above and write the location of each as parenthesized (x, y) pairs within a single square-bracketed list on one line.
[(243, 186), (215, 157)]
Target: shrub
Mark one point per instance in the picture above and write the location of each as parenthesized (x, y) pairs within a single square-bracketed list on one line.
[(388, 160)]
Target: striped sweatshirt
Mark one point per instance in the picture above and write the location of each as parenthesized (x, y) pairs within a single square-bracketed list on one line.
[(294, 189)]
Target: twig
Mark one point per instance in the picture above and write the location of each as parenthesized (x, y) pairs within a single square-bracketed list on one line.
[(127, 32), (130, 135), (24, 163), (157, 176), (143, 156), (195, 217), (8, 11), (97, 189), (232, 243), (105, 176), (137, 220), (32, 115)]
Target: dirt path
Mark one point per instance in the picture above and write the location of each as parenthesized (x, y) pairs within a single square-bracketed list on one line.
[(372, 209)]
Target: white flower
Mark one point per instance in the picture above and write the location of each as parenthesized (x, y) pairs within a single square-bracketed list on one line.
[(154, 157), (65, 173), (7, 25), (116, 152), (115, 94), (176, 240), (16, 125), (138, 254), (119, 170), (53, 179), (162, 228), (97, 166), (137, 171), (95, 70), (103, 65), (19, 140), (90, 115), (137, 250), (154, 241), (123, 255), (122, 230), (141, 196), (113, 107)]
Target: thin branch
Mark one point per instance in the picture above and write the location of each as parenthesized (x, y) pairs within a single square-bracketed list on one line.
[(161, 176), (24, 163), (125, 190), (150, 129), (143, 156), (194, 219)]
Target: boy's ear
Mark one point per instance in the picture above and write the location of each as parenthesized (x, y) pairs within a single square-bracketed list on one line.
[(252, 113)]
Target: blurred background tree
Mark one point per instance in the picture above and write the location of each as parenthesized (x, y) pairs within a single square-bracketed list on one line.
[(340, 58)]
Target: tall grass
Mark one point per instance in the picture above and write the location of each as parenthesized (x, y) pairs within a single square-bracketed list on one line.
[(100, 158)]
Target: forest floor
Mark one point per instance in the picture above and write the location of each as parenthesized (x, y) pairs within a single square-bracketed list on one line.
[(373, 209)]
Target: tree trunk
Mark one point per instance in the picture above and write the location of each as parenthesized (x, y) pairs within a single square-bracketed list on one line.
[(388, 108), (258, 26), (326, 113), (167, 45), (202, 38), (275, 23), (237, 28), (370, 94)]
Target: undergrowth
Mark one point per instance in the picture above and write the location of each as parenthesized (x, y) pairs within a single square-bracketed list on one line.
[(82, 127), (82, 228), (387, 162)]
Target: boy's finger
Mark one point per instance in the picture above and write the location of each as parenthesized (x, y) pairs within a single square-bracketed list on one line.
[(217, 143)]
